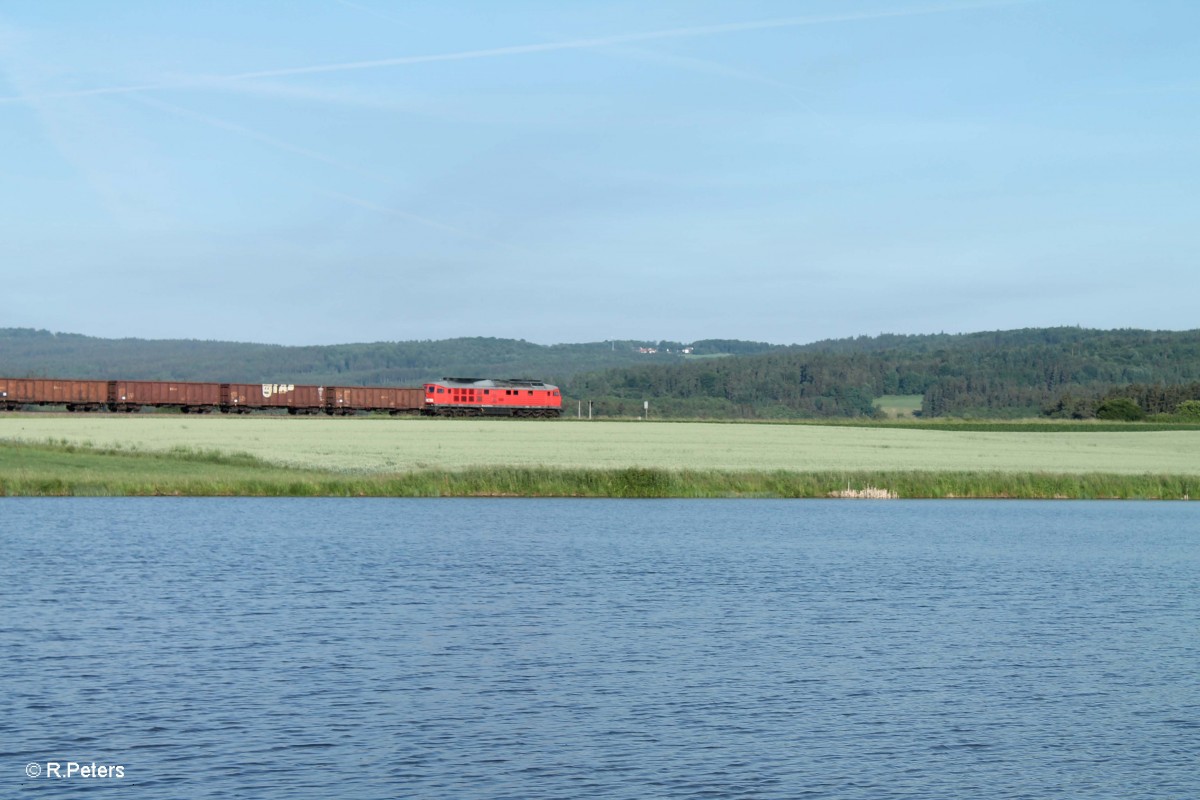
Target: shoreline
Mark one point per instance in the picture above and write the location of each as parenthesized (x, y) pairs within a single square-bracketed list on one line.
[(69, 470)]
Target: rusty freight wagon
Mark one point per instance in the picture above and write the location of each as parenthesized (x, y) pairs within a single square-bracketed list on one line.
[(75, 395), (247, 397), (186, 396), (393, 399)]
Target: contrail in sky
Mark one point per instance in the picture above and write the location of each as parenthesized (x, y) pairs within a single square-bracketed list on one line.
[(544, 47), (395, 212), (270, 141), (624, 38), (288, 147), (621, 38)]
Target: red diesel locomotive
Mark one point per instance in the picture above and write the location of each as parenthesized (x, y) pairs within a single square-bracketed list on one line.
[(478, 397)]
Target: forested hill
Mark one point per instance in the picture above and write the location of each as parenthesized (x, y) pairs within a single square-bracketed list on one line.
[(1065, 371), (1061, 371), (25, 352)]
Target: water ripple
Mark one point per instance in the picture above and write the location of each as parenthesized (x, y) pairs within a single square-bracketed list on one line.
[(608, 649)]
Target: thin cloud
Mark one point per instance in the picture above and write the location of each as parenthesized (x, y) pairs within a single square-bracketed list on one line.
[(270, 141), (374, 12), (349, 96), (395, 212), (288, 147), (82, 137), (526, 49), (626, 38), (703, 67), (137, 88)]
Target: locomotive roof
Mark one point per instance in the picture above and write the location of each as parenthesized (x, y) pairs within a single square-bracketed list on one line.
[(500, 383)]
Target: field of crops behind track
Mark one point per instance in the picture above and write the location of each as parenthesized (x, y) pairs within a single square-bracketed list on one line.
[(398, 445)]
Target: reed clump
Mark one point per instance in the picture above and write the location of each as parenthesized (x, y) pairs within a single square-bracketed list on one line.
[(866, 493)]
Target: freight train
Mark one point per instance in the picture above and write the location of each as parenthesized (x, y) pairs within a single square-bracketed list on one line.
[(452, 397)]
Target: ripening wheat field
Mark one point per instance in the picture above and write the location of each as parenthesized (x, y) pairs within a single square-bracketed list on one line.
[(373, 445)]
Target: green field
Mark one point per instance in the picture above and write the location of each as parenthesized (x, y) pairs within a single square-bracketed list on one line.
[(899, 405), (385, 445), (69, 470)]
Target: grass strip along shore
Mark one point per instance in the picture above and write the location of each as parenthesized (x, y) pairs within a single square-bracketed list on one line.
[(64, 469)]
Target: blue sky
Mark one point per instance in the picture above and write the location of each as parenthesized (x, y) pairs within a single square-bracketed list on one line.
[(326, 171)]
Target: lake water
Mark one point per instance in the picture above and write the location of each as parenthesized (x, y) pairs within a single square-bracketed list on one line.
[(217, 648)]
